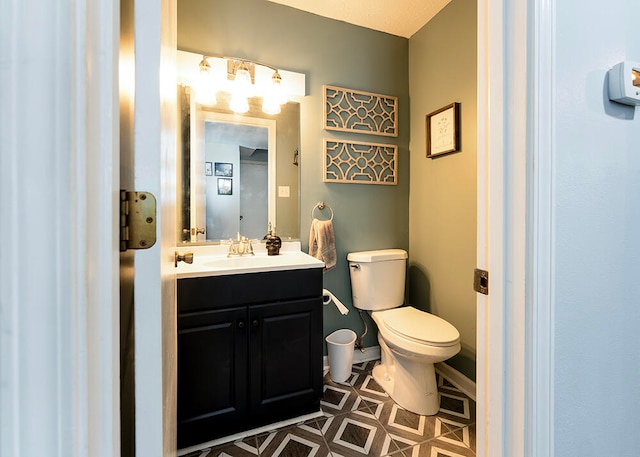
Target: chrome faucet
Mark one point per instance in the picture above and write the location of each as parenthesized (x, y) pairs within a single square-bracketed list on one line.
[(240, 246)]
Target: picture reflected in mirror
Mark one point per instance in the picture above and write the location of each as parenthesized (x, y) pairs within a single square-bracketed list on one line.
[(224, 169)]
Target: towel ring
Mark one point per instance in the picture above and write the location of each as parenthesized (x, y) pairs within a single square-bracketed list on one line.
[(321, 206)]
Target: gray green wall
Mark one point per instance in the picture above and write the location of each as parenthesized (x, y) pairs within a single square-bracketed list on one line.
[(328, 52), (442, 202)]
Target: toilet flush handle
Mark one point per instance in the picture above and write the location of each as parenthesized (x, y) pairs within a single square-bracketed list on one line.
[(355, 266)]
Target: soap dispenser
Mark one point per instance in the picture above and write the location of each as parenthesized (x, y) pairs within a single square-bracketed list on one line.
[(273, 241)]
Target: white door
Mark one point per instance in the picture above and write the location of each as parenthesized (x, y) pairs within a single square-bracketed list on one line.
[(148, 127), (254, 210)]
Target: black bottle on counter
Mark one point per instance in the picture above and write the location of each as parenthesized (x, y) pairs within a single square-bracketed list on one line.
[(273, 241)]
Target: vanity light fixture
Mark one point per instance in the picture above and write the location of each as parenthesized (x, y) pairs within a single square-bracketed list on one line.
[(244, 79)]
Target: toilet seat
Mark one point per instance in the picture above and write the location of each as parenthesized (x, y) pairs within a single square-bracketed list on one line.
[(420, 327)]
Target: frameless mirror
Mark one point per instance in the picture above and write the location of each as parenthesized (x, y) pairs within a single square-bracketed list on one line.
[(236, 173)]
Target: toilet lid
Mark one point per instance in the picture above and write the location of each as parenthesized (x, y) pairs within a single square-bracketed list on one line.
[(420, 326)]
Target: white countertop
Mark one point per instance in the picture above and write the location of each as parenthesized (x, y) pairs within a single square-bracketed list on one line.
[(213, 261)]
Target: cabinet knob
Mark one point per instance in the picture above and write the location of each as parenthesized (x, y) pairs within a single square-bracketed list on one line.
[(255, 323), (241, 324)]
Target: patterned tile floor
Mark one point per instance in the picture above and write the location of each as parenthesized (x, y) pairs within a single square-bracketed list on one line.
[(360, 419)]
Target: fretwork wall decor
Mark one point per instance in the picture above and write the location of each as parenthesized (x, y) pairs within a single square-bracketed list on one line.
[(360, 163), (348, 110)]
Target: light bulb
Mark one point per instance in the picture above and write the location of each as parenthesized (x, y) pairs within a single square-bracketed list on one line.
[(270, 104), (241, 90), (276, 88), (239, 103), (242, 82), (204, 85)]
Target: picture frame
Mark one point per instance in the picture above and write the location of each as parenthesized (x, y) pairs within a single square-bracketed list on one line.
[(208, 169), (443, 130), (224, 169), (225, 186)]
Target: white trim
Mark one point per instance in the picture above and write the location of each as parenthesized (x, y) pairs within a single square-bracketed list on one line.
[(370, 353), (464, 384), (540, 393), (490, 229), (148, 354), (516, 178), (521, 422), (252, 432), (503, 107), (155, 278)]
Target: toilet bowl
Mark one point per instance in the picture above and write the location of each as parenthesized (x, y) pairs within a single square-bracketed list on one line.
[(411, 340)]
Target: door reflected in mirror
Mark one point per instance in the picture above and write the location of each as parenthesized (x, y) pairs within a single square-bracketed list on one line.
[(231, 169)]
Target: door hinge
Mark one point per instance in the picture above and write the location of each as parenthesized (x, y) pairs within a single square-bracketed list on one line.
[(137, 220), (481, 281)]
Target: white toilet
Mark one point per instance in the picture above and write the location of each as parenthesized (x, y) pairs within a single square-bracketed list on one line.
[(411, 341)]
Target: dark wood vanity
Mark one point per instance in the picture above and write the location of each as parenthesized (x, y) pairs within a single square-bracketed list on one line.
[(249, 351)]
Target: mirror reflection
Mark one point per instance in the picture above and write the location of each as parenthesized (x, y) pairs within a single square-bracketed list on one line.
[(236, 173)]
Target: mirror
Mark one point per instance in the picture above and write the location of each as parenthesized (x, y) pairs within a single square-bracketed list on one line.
[(236, 173)]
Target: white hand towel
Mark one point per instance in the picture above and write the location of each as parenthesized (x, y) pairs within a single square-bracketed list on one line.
[(322, 244)]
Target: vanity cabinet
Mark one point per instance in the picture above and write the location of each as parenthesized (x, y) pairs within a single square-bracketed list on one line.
[(249, 351)]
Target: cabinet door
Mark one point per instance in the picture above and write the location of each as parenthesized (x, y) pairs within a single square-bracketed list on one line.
[(212, 374), (286, 359)]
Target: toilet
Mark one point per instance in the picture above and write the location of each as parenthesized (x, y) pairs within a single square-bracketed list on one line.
[(411, 340)]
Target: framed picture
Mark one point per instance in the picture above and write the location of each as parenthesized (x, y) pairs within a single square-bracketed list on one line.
[(443, 130), (225, 186), (208, 169), (224, 169)]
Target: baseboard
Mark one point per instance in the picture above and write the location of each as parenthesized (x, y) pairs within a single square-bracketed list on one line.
[(370, 353), (464, 384), (245, 434)]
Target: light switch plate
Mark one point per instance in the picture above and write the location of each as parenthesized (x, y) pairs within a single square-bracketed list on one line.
[(283, 191)]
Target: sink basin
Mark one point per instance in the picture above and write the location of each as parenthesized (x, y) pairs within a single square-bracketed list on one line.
[(215, 265), (244, 261)]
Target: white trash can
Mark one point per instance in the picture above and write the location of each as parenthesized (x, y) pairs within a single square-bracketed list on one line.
[(340, 347)]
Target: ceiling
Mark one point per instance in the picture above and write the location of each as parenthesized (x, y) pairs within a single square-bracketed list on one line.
[(397, 17), (249, 136)]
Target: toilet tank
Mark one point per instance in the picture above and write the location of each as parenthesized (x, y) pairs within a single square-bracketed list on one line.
[(377, 278)]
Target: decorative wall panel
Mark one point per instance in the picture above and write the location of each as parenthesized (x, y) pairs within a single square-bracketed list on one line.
[(360, 163), (349, 110)]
